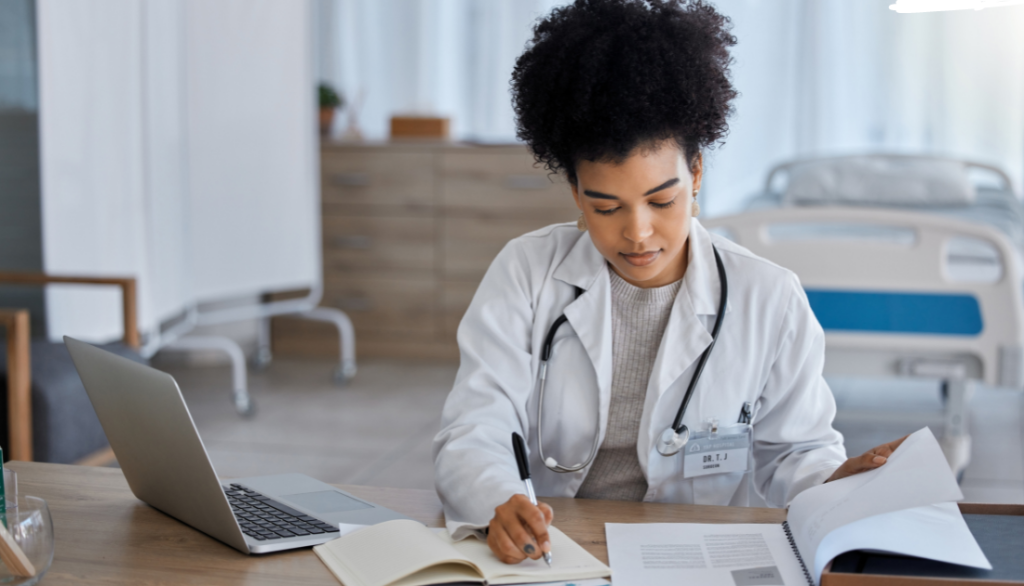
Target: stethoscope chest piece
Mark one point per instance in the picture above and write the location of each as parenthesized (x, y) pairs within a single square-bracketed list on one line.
[(672, 441)]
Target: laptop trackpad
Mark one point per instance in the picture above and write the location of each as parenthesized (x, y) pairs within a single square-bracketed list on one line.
[(325, 501)]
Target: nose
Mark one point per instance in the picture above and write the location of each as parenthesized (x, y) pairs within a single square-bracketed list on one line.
[(638, 227)]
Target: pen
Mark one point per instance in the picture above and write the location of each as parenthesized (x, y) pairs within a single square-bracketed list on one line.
[(524, 474)]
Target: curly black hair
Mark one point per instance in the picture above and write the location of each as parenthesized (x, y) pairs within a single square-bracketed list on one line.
[(601, 78)]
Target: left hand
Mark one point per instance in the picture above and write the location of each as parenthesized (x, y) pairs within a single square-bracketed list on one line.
[(870, 460)]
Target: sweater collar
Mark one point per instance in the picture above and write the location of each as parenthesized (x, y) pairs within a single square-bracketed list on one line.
[(584, 265)]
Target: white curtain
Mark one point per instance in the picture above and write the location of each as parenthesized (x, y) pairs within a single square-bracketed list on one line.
[(820, 77), (815, 77), (178, 147), (440, 57)]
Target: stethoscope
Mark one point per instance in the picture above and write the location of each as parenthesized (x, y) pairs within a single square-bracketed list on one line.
[(672, 439)]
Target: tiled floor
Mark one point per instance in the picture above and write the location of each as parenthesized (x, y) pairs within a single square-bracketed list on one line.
[(378, 430)]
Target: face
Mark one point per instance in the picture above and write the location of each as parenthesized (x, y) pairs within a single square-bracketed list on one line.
[(638, 212)]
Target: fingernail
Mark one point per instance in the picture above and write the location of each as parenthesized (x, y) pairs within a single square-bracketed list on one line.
[(528, 548), (546, 546), (879, 460)]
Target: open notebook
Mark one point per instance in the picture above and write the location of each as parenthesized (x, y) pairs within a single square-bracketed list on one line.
[(405, 553), (905, 507)]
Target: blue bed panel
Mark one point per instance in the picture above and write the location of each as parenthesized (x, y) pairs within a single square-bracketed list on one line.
[(897, 313)]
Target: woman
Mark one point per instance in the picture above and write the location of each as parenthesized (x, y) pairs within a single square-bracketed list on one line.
[(622, 96)]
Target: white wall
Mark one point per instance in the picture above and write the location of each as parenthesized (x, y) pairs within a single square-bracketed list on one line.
[(814, 76), (178, 146)]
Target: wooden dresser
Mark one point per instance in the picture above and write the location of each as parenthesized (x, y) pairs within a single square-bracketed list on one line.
[(408, 231)]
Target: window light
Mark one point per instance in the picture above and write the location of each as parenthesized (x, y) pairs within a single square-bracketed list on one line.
[(906, 6)]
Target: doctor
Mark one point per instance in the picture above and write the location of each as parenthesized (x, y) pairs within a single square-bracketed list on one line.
[(622, 96)]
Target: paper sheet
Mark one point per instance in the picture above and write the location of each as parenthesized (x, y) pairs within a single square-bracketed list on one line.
[(599, 582), (669, 554), (916, 475), (936, 532)]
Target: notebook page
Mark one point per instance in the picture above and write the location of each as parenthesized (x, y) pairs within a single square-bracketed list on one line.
[(383, 554), (569, 562), (670, 554), (917, 474)]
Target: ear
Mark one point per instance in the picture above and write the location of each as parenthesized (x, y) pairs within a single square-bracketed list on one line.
[(698, 172), (576, 195)]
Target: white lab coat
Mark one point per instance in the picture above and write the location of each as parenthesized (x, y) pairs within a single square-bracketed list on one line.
[(770, 351)]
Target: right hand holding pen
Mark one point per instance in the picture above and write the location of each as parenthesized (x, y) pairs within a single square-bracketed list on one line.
[(519, 530)]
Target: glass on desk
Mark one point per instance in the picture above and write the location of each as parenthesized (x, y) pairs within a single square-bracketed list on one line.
[(29, 523), (10, 488)]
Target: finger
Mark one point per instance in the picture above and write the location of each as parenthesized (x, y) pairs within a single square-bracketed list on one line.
[(521, 537), (549, 513), (537, 522), (886, 450), (870, 461), (502, 545)]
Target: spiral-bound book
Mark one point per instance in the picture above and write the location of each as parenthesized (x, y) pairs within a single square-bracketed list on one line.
[(905, 507)]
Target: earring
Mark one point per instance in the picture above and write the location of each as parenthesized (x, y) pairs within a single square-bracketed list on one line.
[(581, 223)]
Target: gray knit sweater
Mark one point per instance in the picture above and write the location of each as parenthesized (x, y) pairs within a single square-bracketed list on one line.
[(639, 319)]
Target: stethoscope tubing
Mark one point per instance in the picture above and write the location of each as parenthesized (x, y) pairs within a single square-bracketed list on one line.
[(677, 424), (723, 297)]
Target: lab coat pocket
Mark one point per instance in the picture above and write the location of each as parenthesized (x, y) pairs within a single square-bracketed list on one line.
[(572, 403), (716, 489)]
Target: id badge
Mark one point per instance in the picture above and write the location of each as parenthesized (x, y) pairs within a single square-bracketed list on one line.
[(718, 452)]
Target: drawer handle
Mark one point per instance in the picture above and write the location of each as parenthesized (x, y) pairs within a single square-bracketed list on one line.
[(353, 303), (352, 242), (350, 179), (531, 182)]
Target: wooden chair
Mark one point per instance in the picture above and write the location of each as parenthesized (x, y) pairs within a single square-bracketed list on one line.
[(19, 351)]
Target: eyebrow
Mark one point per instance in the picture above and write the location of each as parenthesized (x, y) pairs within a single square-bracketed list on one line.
[(665, 185)]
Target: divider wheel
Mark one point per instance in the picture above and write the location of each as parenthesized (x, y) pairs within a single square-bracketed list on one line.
[(344, 373), (245, 406)]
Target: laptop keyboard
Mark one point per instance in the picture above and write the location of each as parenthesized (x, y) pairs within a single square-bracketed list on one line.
[(263, 518)]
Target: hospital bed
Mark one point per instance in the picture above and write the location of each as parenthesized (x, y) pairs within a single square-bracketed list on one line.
[(902, 293), (959, 189)]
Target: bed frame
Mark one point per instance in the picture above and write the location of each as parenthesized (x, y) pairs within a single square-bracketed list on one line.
[(879, 283)]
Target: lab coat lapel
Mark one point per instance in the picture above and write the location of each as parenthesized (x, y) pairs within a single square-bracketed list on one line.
[(590, 314), (687, 334)]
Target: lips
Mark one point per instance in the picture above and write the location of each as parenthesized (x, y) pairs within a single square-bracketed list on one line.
[(641, 259)]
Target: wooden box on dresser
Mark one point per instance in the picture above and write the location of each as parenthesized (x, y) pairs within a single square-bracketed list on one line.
[(408, 231)]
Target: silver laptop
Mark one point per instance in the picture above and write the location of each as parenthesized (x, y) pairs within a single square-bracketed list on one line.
[(163, 459)]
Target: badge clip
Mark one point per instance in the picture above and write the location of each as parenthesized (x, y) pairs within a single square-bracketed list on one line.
[(712, 427)]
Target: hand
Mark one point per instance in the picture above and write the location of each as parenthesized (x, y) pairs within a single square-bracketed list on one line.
[(870, 460), (519, 530)]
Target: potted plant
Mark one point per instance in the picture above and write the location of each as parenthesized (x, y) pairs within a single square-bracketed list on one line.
[(330, 100)]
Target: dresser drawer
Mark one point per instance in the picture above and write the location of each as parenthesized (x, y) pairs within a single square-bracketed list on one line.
[(470, 244), (403, 308), (379, 244), (504, 182), (378, 177)]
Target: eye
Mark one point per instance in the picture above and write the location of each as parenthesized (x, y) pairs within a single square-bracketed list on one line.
[(607, 212), (667, 204)]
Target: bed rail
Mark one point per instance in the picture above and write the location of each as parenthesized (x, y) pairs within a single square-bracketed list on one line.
[(894, 266)]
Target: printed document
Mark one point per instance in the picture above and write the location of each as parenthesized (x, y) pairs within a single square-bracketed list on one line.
[(669, 554), (905, 507)]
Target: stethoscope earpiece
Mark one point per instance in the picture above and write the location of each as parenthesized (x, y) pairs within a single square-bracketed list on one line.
[(672, 441)]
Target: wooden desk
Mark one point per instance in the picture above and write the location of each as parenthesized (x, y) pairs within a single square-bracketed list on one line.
[(104, 535)]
